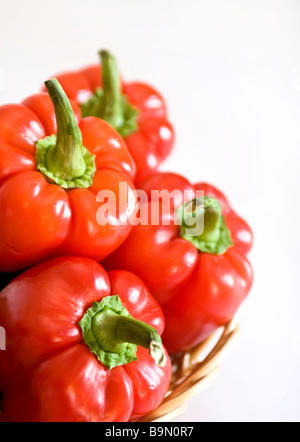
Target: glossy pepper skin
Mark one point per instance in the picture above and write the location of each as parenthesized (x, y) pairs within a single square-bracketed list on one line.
[(48, 373), (198, 291), (41, 218), (146, 129)]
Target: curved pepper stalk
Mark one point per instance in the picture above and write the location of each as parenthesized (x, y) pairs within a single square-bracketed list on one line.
[(62, 158), (113, 335), (203, 225), (108, 102)]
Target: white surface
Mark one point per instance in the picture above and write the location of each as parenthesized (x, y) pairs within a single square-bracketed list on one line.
[(230, 71)]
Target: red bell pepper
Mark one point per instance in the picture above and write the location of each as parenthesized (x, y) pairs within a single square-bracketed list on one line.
[(135, 109), (82, 345), (200, 281), (52, 166)]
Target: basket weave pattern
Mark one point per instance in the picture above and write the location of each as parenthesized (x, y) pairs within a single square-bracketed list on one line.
[(193, 372)]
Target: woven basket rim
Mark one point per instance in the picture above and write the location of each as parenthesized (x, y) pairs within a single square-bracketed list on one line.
[(194, 371)]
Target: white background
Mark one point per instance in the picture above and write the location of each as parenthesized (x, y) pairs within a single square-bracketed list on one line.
[(230, 72)]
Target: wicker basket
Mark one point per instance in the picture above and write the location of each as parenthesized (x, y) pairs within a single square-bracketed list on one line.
[(193, 372)]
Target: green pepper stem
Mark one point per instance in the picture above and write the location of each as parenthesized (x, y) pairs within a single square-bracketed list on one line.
[(208, 211), (113, 335), (203, 224), (113, 331), (65, 159), (112, 111), (108, 102)]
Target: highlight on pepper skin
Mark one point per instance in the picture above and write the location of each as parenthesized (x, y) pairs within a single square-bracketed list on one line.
[(2, 339)]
